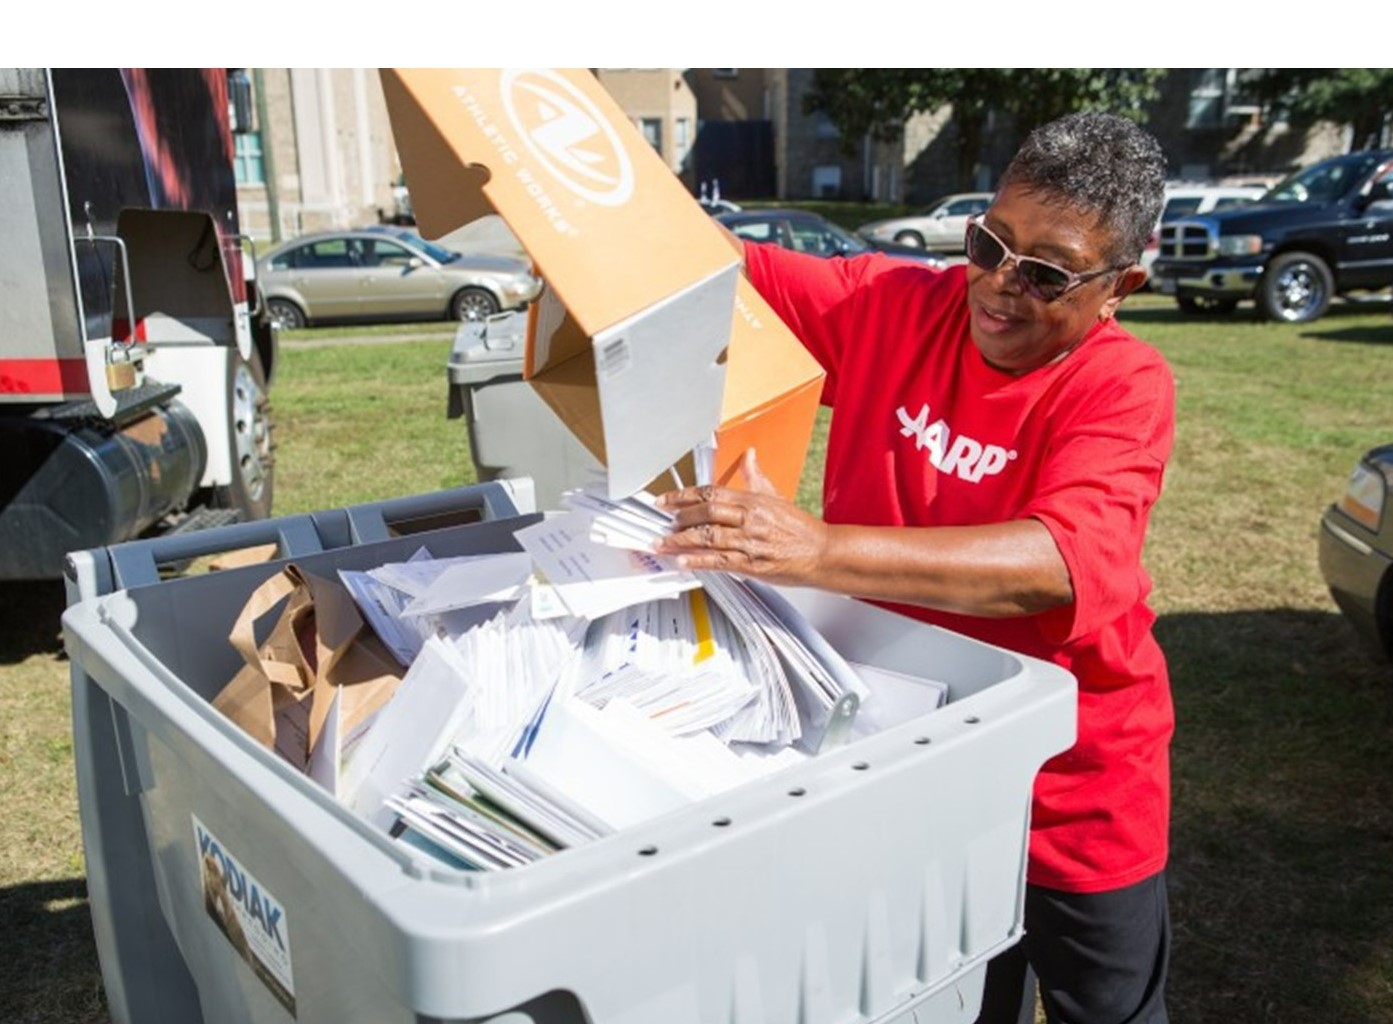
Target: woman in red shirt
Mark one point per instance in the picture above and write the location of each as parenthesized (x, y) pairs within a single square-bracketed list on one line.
[(996, 446)]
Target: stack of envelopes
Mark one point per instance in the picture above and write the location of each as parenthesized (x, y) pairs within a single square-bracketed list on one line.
[(577, 687)]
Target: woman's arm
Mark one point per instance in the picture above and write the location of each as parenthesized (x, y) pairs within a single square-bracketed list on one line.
[(995, 570)]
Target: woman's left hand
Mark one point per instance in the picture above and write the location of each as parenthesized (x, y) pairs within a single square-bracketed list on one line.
[(754, 533)]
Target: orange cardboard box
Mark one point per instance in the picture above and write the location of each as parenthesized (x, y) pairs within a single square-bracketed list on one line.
[(647, 341)]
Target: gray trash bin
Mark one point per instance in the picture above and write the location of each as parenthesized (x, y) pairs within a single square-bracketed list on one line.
[(512, 432), (868, 885)]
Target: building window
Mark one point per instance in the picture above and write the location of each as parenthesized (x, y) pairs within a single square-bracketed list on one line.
[(239, 101), (250, 168), (684, 134), (1207, 100), (827, 181), (652, 128), (1222, 94)]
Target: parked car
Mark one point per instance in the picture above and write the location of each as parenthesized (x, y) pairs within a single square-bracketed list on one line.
[(1324, 231), (387, 274), (1356, 549), (1186, 199), (942, 225), (805, 231)]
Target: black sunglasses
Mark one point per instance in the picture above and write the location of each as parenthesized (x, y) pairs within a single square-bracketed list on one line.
[(1041, 279)]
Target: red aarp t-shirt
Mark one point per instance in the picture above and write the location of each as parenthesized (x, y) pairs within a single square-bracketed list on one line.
[(925, 433)]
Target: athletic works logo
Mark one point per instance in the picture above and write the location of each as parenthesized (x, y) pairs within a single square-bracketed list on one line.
[(962, 456), (568, 135)]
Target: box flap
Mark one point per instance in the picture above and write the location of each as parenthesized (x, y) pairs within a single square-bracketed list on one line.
[(661, 377)]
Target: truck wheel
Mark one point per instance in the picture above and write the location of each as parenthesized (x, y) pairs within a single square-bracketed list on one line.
[(249, 432), (1295, 288), (1198, 305), (285, 314), (473, 304)]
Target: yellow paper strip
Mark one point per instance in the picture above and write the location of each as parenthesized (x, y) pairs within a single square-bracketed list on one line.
[(701, 625)]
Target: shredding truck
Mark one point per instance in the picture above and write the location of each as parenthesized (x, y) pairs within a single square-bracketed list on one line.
[(134, 357)]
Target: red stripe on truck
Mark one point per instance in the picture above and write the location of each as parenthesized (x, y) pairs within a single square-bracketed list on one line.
[(43, 377)]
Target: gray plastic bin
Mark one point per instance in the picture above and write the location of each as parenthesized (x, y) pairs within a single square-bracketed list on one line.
[(512, 432), (870, 884)]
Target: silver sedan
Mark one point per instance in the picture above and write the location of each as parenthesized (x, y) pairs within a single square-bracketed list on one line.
[(387, 274)]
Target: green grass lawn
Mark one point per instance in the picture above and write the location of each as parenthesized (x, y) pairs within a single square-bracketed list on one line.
[(1282, 869)]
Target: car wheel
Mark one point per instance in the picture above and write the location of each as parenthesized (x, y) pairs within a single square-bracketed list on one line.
[(285, 315), (1199, 305), (1295, 288), (249, 431), (910, 238), (473, 304)]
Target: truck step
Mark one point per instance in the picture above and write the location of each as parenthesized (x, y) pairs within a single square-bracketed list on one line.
[(130, 404), (201, 518), (205, 518)]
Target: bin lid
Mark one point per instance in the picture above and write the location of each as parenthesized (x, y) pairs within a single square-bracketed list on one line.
[(486, 350)]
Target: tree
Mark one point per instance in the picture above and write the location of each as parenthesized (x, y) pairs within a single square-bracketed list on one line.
[(877, 102), (1360, 98)]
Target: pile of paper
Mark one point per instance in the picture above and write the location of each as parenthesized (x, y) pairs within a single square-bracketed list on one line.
[(481, 818), (678, 661), (580, 686), (598, 557), (407, 602), (472, 689)]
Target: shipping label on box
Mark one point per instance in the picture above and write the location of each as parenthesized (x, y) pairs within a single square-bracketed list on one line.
[(630, 343)]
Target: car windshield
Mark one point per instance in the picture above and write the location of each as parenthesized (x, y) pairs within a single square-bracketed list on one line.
[(1322, 183), (435, 252), (849, 242)]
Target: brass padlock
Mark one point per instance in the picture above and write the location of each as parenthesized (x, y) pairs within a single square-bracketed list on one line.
[(120, 376)]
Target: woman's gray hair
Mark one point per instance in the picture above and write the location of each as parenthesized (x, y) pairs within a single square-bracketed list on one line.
[(1101, 164)]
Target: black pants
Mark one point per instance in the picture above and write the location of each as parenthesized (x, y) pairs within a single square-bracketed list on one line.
[(1098, 958)]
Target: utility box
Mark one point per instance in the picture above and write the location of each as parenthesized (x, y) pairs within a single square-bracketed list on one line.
[(868, 885)]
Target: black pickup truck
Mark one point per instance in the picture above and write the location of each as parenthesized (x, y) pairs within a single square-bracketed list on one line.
[(1323, 231)]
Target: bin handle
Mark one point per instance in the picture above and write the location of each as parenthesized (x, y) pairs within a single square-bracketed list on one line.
[(373, 521), (136, 563)]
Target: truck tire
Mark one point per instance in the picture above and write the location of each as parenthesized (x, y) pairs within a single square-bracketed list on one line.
[(1200, 305), (249, 430), (1295, 288)]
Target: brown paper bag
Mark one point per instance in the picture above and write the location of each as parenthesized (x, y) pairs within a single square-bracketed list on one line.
[(318, 645)]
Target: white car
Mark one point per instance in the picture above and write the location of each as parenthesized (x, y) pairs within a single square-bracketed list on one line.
[(1186, 199), (941, 226)]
